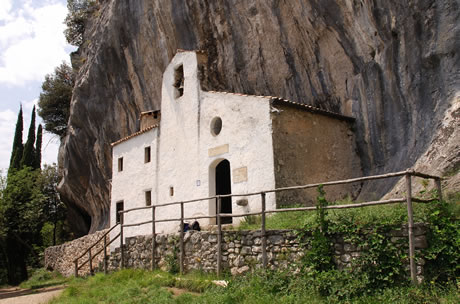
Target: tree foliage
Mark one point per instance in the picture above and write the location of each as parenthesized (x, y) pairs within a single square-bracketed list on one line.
[(54, 100), (38, 148), (28, 156), (20, 221), (32, 217), (79, 12), (28, 201), (16, 153), (55, 230)]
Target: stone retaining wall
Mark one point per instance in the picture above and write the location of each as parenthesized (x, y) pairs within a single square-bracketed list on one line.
[(242, 251), (60, 258)]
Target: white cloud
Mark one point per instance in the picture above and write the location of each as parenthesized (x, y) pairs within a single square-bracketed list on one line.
[(50, 148), (32, 42), (7, 125), (5, 8)]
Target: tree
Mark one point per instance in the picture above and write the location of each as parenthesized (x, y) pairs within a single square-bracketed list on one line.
[(54, 100), (38, 148), (29, 155), (79, 12), (54, 230), (21, 221), (16, 153)]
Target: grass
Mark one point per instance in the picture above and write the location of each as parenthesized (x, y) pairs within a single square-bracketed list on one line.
[(395, 214), (43, 278), (135, 286), (138, 286)]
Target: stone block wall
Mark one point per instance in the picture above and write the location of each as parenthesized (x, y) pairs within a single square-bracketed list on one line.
[(60, 258), (242, 251)]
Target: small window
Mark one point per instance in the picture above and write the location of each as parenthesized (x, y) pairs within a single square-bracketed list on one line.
[(120, 164), (171, 191), (119, 207), (179, 80), (147, 154), (216, 126), (148, 198)]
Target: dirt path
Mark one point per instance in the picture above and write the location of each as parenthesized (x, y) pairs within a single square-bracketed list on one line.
[(15, 295)]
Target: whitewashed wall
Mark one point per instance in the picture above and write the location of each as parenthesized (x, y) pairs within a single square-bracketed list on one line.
[(187, 154), (186, 139), (130, 184)]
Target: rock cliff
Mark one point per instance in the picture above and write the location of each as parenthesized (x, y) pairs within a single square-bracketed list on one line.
[(393, 64)]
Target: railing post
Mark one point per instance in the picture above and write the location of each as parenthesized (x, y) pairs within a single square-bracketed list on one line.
[(438, 188), (263, 232), (105, 254), (122, 251), (181, 241), (90, 261), (219, 236), (153, 238), (410, 213), (76, 268)]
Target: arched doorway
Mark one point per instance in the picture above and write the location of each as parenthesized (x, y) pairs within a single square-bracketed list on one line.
[(224, 186)]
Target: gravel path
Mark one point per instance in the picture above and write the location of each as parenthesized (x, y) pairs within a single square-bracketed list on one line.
[(16, 295)]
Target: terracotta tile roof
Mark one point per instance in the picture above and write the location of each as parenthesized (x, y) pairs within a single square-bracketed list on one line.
[(312, 109), (293, 103), (133, 135)]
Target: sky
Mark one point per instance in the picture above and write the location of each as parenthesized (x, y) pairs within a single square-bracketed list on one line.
[(32, 44)]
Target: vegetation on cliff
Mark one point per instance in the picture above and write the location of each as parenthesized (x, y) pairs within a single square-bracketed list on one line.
[(79, 12), (54, 100)]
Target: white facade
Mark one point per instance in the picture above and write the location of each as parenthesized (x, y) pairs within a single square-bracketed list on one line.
[(185, 153)]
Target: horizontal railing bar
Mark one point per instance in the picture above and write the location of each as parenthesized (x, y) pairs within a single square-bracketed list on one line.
[(94, 244), (199, 217), (332, 183), (421, 200), (423, 175), (137, 224), (307, 186), (357, 205), (135, 209), (167, 220), (345, 181)]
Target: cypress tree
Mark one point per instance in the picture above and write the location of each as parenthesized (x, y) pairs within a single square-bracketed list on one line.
[(28, 156), (16, 153), (38, 148)]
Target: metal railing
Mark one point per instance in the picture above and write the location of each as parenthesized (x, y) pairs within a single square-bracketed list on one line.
[(263, 212)]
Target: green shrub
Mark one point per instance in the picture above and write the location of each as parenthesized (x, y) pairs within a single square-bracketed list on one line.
[(443, 254), (172, 261)]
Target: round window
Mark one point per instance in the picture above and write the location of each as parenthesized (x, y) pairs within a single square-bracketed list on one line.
[(216, 126)]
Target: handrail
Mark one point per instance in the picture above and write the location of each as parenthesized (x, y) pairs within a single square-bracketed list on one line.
[(218, 216), (331, 183), (95, 243)]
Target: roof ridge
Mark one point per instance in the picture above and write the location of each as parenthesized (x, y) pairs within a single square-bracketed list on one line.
[(312, 108), (134, 135)]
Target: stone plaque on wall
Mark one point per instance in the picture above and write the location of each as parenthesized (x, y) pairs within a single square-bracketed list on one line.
[(240, 175), (218, 150)]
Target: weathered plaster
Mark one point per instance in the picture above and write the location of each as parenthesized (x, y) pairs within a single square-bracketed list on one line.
[(312, 148)]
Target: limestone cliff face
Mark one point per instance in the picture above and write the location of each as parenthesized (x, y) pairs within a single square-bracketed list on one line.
[(393, 64)]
